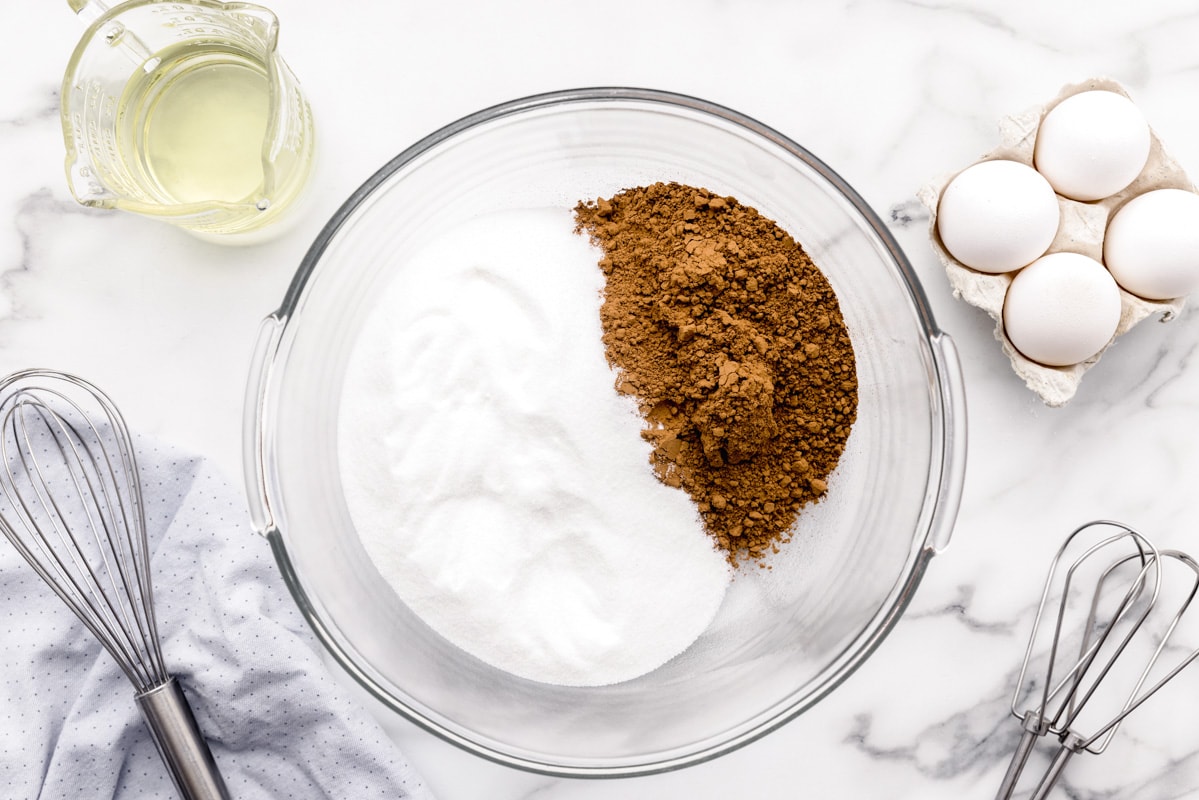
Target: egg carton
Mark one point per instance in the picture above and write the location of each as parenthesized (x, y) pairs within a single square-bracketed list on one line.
[(1081, 230)]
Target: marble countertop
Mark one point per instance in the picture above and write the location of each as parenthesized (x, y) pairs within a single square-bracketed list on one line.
[(890, 94)]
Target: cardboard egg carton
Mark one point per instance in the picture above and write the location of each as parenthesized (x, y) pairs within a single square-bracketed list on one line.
[(1081, 230)]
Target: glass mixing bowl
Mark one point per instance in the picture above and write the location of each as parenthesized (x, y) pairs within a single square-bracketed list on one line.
[(784, 638)]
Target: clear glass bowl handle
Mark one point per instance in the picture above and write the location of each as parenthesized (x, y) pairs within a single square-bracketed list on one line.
[(254, 429), (953, 402)]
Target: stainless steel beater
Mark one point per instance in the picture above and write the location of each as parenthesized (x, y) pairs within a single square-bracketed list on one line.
[(1068, 689), (72, 507)]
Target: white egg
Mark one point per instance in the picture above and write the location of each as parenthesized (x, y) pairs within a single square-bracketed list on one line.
[(997, 216), (1061, 309), (1092, 145), (1152, 244)]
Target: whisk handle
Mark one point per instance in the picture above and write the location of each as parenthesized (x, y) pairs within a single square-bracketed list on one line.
[(180, 743), (1034, 727), (1071, 744)]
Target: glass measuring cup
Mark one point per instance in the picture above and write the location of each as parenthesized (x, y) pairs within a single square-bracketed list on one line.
[(184, 112)]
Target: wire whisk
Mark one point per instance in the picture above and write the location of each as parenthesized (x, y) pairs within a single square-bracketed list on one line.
[(73, 508), (1125, 594)]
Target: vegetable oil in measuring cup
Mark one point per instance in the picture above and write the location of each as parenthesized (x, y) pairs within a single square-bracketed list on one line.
[(185, 112), (194, 124)]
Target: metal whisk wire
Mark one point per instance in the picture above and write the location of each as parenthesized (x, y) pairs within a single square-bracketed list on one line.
[(1079, 686), (1073, 705), (1137, 698), (1058, 695), (71, 504), (76, 515)]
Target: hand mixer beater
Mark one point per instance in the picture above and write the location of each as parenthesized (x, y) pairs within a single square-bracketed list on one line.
[(73, 509), (1119, 579)]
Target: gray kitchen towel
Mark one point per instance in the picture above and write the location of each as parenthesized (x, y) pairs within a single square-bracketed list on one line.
[(278, 724)]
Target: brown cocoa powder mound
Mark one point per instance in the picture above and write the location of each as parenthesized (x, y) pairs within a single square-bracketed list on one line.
[(733, 343)]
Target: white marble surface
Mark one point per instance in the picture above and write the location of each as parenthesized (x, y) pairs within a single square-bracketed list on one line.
[(889, 94)]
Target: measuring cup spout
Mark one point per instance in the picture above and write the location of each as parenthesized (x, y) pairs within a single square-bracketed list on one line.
[(87, 10), (265, 21)]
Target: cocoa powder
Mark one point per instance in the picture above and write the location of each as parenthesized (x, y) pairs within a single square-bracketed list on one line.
[(734, 345)]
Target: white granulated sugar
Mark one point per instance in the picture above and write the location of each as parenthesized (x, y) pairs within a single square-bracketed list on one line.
[(498, 481)]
